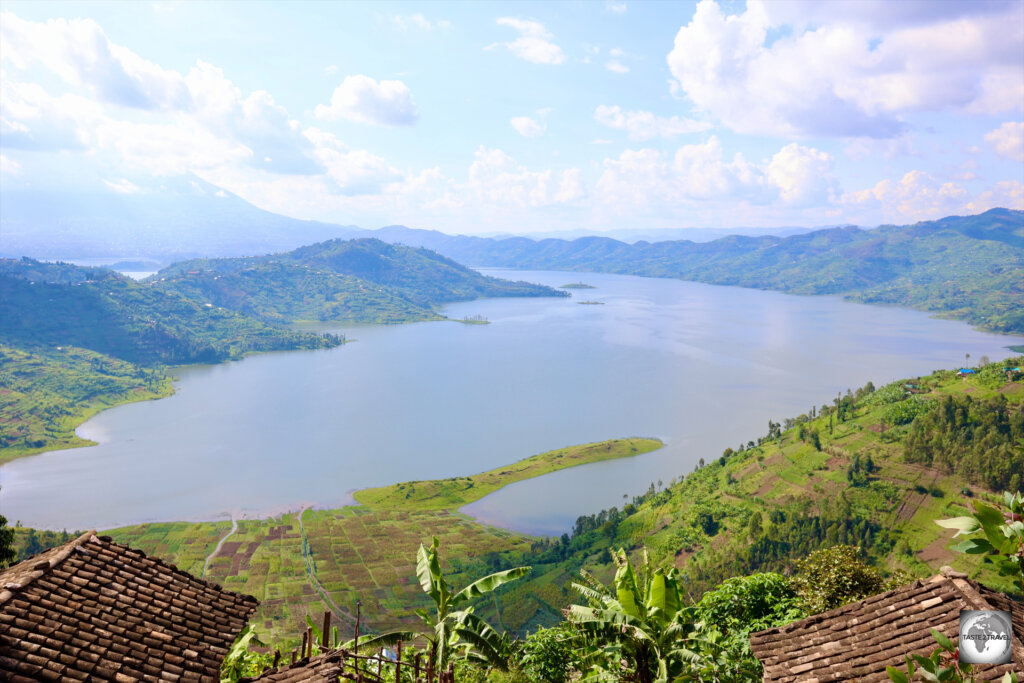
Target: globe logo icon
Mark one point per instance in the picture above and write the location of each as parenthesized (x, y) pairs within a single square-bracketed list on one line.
[(985, 636)]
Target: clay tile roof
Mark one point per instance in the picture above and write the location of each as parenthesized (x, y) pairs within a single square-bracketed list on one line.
[(857, 641), (94, 608), (323, 668)]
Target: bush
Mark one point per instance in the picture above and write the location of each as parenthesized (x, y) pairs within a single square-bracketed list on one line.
[(835, 576), (549, 655)]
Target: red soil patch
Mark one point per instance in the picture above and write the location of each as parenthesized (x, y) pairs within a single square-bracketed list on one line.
[(934, 554)]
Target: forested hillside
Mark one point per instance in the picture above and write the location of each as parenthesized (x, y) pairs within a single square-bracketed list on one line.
[(49, 305), (965, 267), (363, 280)]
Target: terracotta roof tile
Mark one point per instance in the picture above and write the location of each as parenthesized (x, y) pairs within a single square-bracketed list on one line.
[(96, 608), (857, 641), (323, 668)]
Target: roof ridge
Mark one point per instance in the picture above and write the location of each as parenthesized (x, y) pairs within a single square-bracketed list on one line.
[(41, 567)]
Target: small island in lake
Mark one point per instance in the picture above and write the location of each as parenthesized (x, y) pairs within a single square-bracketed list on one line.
[(577, 285), (591, 303), (474, 320)]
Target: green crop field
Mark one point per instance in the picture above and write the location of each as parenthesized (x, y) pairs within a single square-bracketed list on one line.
[(305, 563)]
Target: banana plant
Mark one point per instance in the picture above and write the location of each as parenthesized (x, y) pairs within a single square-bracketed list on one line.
[(639, 623), (450, 631)]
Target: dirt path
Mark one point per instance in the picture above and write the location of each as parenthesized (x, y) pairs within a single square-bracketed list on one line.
[(220, 543), (307, 555)]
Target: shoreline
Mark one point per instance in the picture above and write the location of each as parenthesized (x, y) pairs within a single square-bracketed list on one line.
[(438, 495)]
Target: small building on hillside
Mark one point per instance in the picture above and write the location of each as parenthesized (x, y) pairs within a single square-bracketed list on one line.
[(857, 641), (964, 372), (93, 609)]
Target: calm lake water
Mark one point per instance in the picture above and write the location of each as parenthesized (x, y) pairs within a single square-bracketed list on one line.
[(700, 367)]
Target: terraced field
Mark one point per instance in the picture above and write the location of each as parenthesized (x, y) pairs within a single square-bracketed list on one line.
[(359, 553)]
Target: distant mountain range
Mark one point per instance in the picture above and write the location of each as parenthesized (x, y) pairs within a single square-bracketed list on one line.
[(965, 267), (362, 280), (182, 218), (187, 218)]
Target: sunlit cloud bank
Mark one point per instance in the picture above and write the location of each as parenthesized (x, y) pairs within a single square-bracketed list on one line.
[(772, 113)]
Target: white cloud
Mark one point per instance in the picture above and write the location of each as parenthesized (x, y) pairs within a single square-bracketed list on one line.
[(615, 7), (354, 172), (643, 125), (803, 175), (81, 54), (919, 195), (418, 21), (364, 100), (31, 118), (615, 66), (1008, 194), (916, 196), (168, 150), (122, 186), (9, 166), (534, 42), (496, 178), (527, 127), (1008, 140), (647, 180), (850, 73)]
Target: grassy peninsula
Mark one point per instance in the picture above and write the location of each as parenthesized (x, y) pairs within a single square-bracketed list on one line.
[(332, 558), (450, 494)]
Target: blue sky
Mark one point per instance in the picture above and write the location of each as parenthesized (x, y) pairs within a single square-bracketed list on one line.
[(527, 117)]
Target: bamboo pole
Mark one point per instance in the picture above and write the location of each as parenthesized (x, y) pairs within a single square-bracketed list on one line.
[(398, 664), (305, 637), (325, 635), (359, 611)]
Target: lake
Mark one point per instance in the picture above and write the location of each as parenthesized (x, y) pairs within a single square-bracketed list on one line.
[(699, 366)]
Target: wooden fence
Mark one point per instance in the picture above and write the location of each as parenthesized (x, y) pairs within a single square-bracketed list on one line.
[(333, 660)]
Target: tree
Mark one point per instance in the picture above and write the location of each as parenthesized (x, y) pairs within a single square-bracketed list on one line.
[(832, 577), (7, 553), (449, 629), (637, 629)]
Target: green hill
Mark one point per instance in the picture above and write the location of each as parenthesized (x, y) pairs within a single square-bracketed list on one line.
[(964, 267), (49, 305), (362, 280), (44, 396)]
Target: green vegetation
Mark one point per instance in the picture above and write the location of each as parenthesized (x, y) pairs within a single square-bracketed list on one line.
[(45, 395), (362, 280), (837, 497), (48, 305), (7, 551), (964, 267), (577, 285), (449, 631), (453, 493)]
